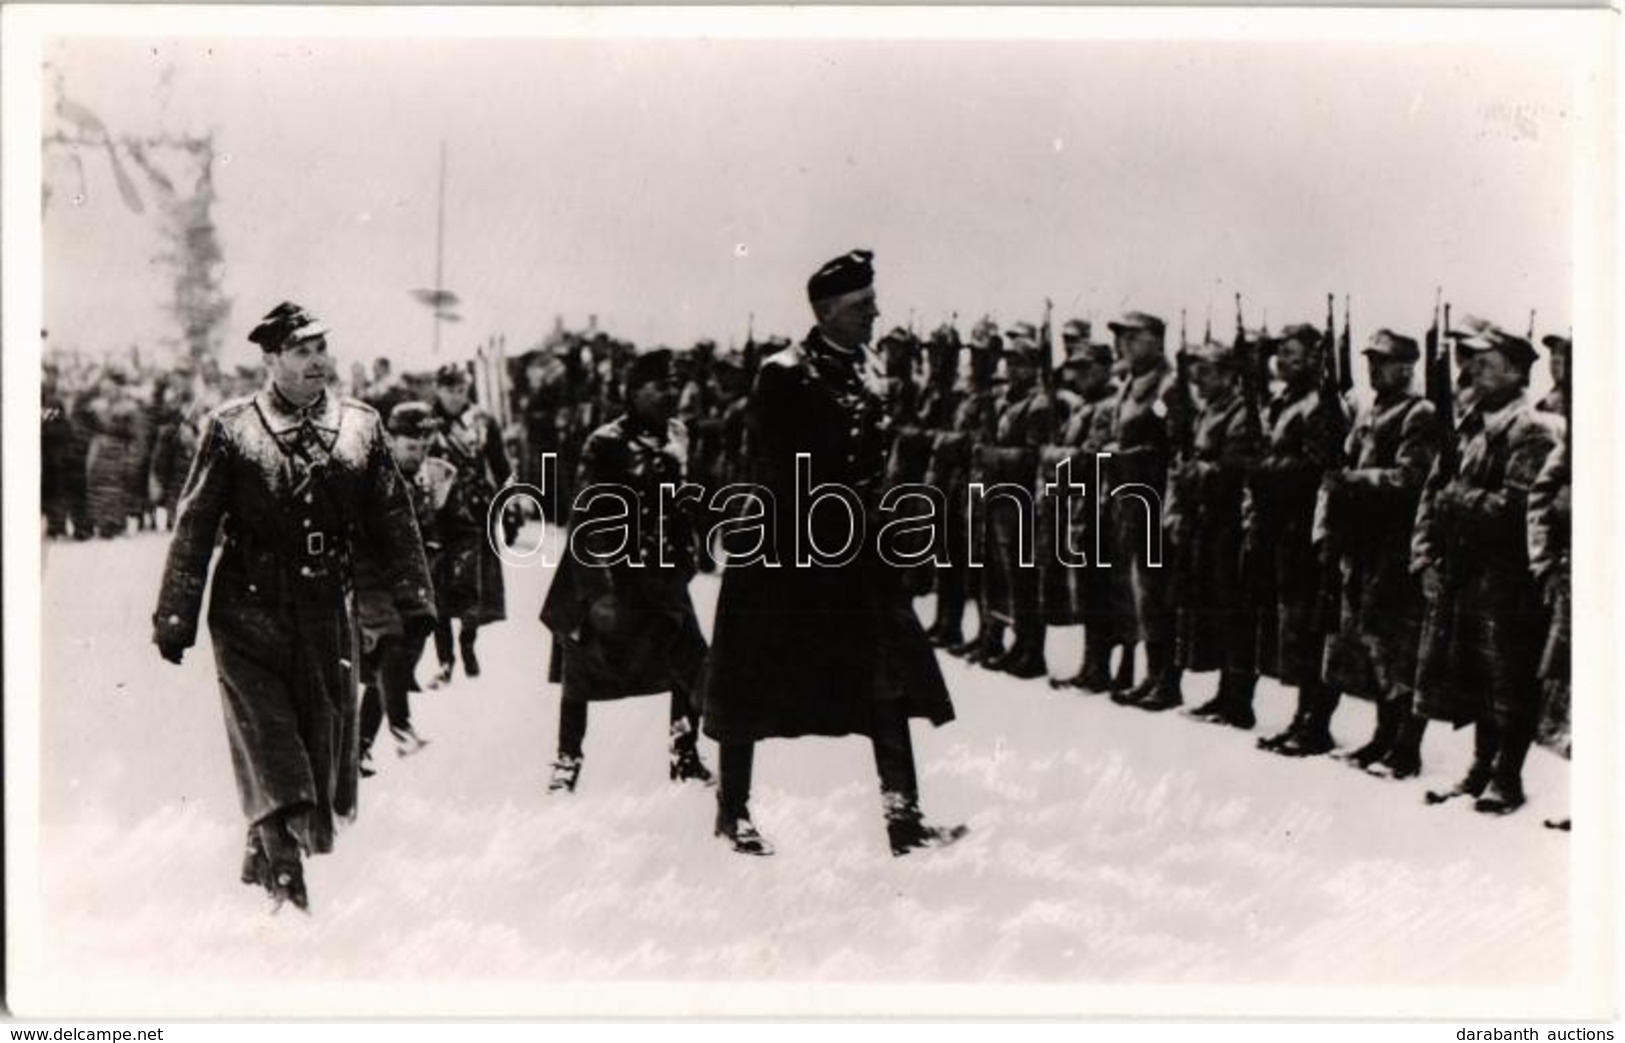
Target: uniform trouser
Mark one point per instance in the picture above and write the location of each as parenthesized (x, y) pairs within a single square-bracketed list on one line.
[(442, 639), (387, 671), (894, 762), (684, 716)]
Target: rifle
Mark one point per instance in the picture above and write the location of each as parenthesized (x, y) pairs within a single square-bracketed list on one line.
[(1046, 369), (1252, 365), (1438, 385), (1345, 354), (1181, 421)]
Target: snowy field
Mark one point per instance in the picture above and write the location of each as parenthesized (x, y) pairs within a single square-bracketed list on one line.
[(1108, 846)]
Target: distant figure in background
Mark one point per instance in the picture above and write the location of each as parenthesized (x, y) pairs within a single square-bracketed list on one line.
[(468, 581), (287, 476), (621, 616), (56, 455), (390, 644), (111, 456)]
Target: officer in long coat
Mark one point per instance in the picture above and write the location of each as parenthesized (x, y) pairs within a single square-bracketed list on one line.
[(1009, 470), (1485, 622), (1215, 621), (1137, 477), (827, 642), (1369, 510), (619, 608), (1073, 593), (469, 579), (289, 477), (1304, 433)]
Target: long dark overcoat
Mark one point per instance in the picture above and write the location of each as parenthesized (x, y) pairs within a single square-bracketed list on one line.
[(1010, 574), (1141, 449), (1368, 517), (1071, 594), (812, 650), (1303, 435), (644, 637), (287, 492), (1549, 550), (1215, 621), (1481, 641)]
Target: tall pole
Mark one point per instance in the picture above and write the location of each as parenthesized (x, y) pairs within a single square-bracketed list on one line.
[(440, 247)]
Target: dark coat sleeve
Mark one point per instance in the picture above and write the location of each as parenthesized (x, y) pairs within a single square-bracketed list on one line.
[(201, 509), (391, 528)]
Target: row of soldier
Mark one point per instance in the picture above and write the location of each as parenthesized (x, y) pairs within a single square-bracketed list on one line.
[(1387, 552)]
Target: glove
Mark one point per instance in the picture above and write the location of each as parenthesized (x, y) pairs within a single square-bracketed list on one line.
[(173, 651), (1555, 589)]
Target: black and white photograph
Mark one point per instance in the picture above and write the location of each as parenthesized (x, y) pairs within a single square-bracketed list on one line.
[(807, 512)]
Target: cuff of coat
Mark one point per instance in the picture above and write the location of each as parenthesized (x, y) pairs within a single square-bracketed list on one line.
[(171, 629)]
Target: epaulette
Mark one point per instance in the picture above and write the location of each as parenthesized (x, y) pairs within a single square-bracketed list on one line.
[(231, 406), (358, 405), (790, 357)]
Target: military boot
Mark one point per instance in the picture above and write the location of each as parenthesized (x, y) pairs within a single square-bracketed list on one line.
[(1214, 709), (1382, 736), (1505, 792), (471, 663), (284, 877), (734, 825), (907, 830), (686, 765), (1123, 679), (1404, 758), (566, 773)]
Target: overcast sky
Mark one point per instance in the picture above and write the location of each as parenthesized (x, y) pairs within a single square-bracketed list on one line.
[(673, 187)]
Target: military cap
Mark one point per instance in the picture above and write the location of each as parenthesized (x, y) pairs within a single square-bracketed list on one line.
[(412, 420), (1138, 320), (452, 374), (1076, 329), (847, 273), (1395, 347), (945, 336), (1214, 353), (730, 361), (897, 336), (285, 324), (648, 367), (1080, 353), (984, 336), (1301, 332), (1515, 349), (1021, 333), (1557, 345)]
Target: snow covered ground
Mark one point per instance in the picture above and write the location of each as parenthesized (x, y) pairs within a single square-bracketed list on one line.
[(1108, 846)]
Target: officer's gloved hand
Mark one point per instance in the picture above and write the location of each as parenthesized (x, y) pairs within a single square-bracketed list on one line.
[(512, 522), (418, 625), (173, 651)]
